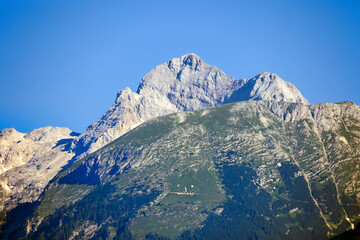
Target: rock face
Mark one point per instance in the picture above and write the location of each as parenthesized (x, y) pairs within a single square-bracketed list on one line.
[(252, 170), (17, 148), (181, 84), (30, 160)]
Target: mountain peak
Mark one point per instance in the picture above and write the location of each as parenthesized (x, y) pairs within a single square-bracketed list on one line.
[(190, 55), (190, 60), (7, 131), (267, 75), (269, 86), (185, 83)]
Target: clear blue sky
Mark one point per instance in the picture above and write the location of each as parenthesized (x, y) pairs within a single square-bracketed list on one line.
[(62, 62)]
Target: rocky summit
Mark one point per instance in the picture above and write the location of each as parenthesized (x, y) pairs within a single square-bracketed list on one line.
[(181, 84), (192, 154)]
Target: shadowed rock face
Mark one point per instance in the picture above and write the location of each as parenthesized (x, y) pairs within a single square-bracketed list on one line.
[(253, 170), (181, 84)]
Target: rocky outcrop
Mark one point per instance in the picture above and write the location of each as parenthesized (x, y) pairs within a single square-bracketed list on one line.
[(30, 160), (17, 148)]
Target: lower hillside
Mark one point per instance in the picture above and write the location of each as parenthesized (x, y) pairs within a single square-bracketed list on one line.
[(251, 170)]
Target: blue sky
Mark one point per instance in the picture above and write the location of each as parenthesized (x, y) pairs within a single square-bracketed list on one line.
[(62, 62)]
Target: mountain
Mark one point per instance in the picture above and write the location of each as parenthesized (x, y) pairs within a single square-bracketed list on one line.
[(18, 148), (250, 169), (181, 84), (30, 160)]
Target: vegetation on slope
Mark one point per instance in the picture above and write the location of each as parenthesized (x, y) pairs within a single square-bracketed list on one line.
[(258, 170)]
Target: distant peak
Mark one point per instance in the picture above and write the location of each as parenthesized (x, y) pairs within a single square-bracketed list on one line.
[(7, 131)]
